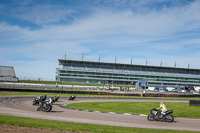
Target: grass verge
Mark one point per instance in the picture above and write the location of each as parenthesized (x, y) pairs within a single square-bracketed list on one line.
[(181, 109), (69, 126), (17, 93)]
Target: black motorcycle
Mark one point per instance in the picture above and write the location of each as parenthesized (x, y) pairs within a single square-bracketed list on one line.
[(46, 107), (39, 99), (154, 116), (36, 101), (72, 97)]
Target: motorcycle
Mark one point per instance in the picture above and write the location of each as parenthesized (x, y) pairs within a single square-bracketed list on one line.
[(38, 99), (72, 97), (155, 117), (47, 106), (55, 98)]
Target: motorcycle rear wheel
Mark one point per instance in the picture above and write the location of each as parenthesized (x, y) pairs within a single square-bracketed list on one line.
[(150, 117), (169, 118)]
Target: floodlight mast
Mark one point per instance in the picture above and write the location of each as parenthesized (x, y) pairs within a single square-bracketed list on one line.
[(82, 57), (131, 61), (99, 58)]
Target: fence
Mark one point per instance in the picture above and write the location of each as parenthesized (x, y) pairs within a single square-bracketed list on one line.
[(36, 79), (11, 85), (84, 89)]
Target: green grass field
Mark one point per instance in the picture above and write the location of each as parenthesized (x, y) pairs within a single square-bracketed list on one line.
[(181, 109), (78, 127), (133, 107)]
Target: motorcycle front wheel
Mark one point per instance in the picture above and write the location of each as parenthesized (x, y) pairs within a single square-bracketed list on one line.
[(48, 108), (169, 118), (150, 117)]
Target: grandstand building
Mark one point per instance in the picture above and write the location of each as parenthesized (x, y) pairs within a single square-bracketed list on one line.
[(101, 72), (7, 74)]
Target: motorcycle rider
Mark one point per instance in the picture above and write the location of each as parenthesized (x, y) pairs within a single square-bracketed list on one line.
[(51, 100), (55, 98), (44, 97), (46, 106), (72, 97), (162, 110), (42, 100)]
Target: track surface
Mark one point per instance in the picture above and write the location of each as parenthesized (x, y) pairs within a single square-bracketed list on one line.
[(22, 106)]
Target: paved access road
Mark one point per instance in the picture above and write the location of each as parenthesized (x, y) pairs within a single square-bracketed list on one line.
[(22, 106)]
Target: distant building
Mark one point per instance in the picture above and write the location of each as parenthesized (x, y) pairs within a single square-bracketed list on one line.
[(101, 72), (7, 74)]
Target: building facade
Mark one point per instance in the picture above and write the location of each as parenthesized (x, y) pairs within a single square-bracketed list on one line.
[(7, 74), (115, 73)]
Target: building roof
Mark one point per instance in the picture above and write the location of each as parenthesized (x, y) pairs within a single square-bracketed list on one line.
[(127, 66)]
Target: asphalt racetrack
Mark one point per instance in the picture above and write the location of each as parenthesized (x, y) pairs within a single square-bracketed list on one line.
[(22, 106)]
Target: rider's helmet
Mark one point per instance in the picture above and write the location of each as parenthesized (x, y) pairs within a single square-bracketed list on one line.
[(161, 103)]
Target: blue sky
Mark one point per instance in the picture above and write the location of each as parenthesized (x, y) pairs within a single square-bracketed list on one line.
[(34, 34)]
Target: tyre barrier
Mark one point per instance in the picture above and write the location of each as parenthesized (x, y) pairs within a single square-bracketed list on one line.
[(194, 102)]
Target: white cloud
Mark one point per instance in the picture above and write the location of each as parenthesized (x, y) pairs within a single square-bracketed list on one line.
[(21, 2), (151, 35), (43, 14)]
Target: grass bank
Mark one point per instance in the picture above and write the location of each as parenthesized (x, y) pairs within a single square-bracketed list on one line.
[(78, 127), (181, 109)]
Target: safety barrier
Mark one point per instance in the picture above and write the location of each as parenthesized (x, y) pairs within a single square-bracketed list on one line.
[(194, 102)]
